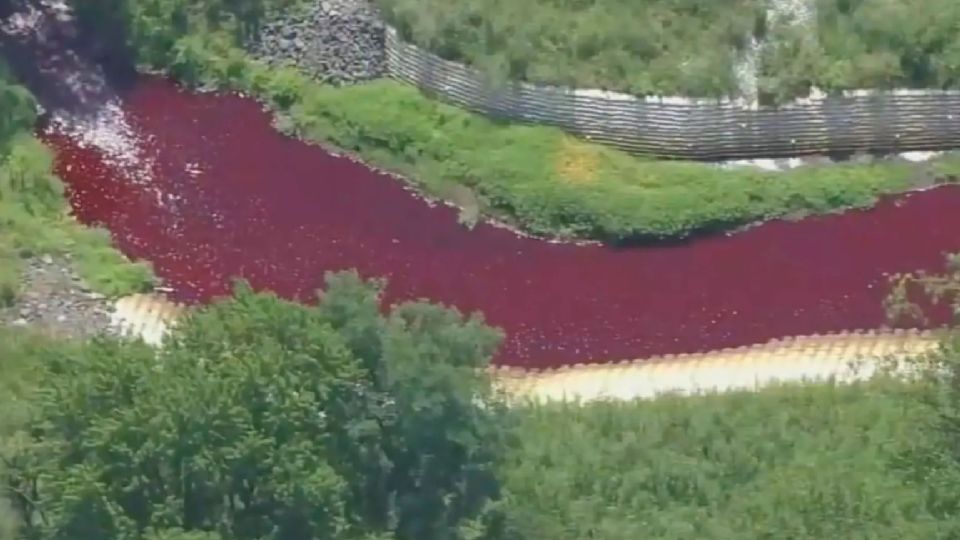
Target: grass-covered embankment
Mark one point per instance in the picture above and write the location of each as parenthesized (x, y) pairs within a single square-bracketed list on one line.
[(536, 178), (34, 214)]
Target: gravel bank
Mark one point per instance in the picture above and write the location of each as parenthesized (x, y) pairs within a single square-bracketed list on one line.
[(54, 299), (336, 41)]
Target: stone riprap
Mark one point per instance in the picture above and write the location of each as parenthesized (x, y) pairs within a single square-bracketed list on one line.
[(336, 41)]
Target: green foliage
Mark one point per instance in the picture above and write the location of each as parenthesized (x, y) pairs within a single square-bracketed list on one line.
[(152, 27), (534, 177), (805, 461), (936, 460), (9, 521), (19, 353), (18, 109), (265, 419), (685, 47), (869, 44), (688, 47)]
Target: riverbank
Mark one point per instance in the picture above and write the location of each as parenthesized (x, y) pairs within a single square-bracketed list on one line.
[(537, 179), (54, 272), (52, 298)]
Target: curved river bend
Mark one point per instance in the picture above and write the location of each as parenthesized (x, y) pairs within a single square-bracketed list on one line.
[(217, 193)]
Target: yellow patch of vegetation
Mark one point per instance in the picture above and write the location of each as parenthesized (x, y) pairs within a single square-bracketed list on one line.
[(576, 162)]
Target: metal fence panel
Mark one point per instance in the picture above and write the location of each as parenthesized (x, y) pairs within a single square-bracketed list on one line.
[(702, 129)]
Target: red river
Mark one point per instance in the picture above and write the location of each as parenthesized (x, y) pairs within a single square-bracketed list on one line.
[(221, 195)]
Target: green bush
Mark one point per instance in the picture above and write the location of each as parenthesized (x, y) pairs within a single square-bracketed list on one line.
[(218, 437), (152, 27), (685, 47), (261, 418), (802, 462), (868, 44)]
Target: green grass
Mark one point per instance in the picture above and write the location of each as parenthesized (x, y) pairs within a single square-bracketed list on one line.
[(798, 462), (20, 353), (34, 217), (34, 220), (533, 177)]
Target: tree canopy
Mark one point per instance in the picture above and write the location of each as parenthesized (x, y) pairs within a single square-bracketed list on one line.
[(260, 418)]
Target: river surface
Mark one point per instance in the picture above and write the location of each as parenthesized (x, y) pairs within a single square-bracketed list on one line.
[(210, 192)]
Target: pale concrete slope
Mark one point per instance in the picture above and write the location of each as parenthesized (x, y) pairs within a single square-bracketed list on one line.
[(842, 357)]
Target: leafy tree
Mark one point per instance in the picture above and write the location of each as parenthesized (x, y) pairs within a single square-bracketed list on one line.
[(152, 27), (920, 298), (260, 418)]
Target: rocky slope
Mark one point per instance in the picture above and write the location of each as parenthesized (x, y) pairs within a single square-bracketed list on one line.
[(338, 41)]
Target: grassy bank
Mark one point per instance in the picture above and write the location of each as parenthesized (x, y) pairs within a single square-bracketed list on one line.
[(670, 47), (34, 215), (538, 178)]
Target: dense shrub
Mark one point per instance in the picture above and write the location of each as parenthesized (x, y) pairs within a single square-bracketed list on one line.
[(868, 44), (651, 47), (811, 462), (152, 27), (687, 47), (218, 436), (266, 419), (19, 351)]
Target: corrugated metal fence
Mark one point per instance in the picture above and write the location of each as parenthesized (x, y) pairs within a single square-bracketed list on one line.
[(896, 121)]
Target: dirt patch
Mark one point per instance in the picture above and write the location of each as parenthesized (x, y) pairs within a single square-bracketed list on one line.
[(55, 300)]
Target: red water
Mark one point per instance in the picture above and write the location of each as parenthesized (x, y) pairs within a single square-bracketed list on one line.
[(279, 213)]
